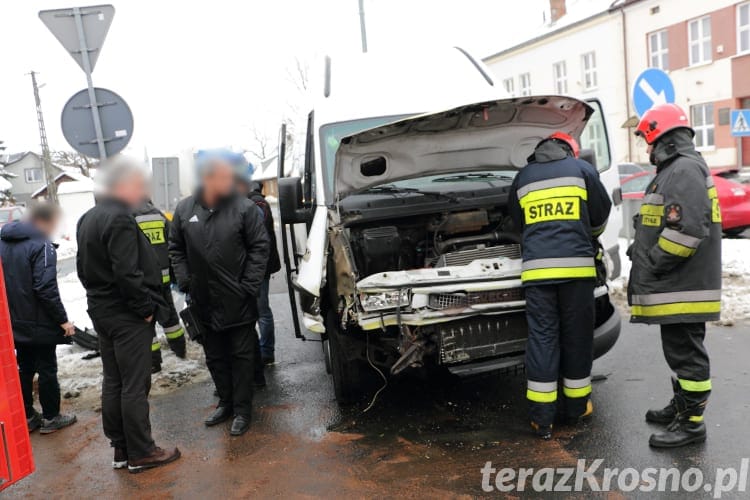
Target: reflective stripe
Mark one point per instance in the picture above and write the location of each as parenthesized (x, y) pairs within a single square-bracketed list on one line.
[(696, 418), (596, 231), (148, 217), (673, 297), (554, 273), (695, 386), (558, 262), (654, 198), (675, 248), (157, 224), (156, 346), (578, 383), (541, 397), (541, 386), (677, 308), (165, 276), (580, 392), (655, 210), (557, 192), (551, 183), (712, 194), (175, 334), (681, 238)]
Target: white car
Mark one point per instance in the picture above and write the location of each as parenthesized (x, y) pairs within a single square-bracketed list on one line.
[(402, 250)]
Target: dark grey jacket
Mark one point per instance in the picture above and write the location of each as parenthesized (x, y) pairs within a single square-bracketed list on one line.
[(676, 273)]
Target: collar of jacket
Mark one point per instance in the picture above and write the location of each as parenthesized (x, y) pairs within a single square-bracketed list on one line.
[(546, 152), (19, 231), (672, 145)]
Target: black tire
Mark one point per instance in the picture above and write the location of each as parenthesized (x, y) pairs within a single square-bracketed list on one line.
[(86, 339), (326, 353), (346, 373), (735, 232)]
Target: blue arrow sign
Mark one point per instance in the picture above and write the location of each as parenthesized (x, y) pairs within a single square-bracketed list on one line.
[(740, 122), (652, 87)]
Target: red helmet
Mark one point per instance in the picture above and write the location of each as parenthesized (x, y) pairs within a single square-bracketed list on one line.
[(567, 139), (659, 120)]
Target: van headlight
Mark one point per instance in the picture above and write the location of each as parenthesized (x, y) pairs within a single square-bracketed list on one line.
[(385, 300)]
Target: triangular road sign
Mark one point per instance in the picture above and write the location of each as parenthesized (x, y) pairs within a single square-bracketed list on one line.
[(740, 124), (95, 22)]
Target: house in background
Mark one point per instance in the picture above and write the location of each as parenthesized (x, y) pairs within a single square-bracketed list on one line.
[(28, 169)]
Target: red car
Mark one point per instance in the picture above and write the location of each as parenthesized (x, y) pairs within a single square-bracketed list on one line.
[(734, 198)]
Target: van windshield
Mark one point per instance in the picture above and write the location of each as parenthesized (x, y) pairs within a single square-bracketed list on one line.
[(330, 138)]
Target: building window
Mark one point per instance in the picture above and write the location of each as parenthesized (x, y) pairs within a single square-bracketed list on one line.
[(560, 73), (510, 86), (702, 118), (699, 36), (588, 63), (658, 49), (524, 84), (743, 28), (33, 175)]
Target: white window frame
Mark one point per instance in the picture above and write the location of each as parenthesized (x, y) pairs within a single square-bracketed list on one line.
[(524, 84), (590, 79), (509, 84), (27, 175), (700, 42), (702, 129), (743, 28), (560, 77), (658, 50)]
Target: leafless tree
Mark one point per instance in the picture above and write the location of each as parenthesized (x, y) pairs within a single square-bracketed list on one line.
[(73, 159)]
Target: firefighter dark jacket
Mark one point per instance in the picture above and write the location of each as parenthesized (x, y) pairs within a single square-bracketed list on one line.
[(255, 195), (219, 257), (155, 226), (676, 272), (117, 265), (561, 206)]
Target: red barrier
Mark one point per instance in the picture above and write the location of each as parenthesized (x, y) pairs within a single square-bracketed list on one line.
[(16, 460)]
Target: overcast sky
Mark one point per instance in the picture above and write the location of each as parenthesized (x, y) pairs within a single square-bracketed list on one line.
[(203, 73)]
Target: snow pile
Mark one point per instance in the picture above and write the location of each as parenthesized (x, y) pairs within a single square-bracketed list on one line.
[(735, 301), (66, 248)]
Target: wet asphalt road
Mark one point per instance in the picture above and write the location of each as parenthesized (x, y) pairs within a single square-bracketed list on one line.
[(423, 438)]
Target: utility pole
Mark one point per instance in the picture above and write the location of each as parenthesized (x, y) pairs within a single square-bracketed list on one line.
[(362, 25), (46, 160)]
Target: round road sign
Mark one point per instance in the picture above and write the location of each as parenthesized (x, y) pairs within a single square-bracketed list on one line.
[(115, 117)]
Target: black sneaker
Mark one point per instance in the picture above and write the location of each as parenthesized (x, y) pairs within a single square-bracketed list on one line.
[(120, 461), (55, 424), (34, 422), (155, 368)]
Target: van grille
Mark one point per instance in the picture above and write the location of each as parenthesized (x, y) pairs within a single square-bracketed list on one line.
[(464, 257), (441, 301)]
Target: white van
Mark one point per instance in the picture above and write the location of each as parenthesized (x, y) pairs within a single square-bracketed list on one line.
[(397, 240)]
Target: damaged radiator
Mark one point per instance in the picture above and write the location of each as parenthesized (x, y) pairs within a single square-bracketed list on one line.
[(464, 257), (483, 337)]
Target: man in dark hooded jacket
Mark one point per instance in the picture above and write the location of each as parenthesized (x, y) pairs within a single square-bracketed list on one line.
[(36, 312), (675, 281)]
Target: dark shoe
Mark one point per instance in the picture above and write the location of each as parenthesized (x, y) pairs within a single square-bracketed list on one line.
[(34, 422), (572, 421), (681, 432), (260, 380), (178, 347), (542, 431), (667, 414), (268, 360), (55, 424), (121, 459), (157, 458), (240, 425), (220, 414), (155, 368)]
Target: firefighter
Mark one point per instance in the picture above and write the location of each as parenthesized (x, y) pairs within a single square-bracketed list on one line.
[(155, 225), (675, 280), (561, 206)]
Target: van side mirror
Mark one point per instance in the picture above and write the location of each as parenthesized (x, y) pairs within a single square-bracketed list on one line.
[(291, 209), (588, 155), (617, 196)]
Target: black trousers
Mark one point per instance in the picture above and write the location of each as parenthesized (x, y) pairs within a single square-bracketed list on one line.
[(560, 345), (125, 346), (41, 359), (687, 357), (231, 358)]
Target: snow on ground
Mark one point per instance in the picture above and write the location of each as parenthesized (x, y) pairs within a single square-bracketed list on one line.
[(66, 248), (83, 377), (735, 300)]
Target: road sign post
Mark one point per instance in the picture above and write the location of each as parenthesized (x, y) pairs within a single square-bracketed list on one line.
[(653, 86)]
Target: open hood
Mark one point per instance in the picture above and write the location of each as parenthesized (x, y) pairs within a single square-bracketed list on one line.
[(482, 136)]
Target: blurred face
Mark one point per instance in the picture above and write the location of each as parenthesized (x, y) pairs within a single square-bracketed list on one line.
[(132, 189), (219, 180), (47, 228)]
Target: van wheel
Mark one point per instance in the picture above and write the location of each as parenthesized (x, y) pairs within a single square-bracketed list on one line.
[(347, 373), (326, 352)]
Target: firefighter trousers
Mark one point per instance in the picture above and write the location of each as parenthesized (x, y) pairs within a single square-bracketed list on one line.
[(688, 359), (560, 346), (172, 330)]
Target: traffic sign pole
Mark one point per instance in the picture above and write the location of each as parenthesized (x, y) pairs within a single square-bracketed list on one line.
[(78, 16)]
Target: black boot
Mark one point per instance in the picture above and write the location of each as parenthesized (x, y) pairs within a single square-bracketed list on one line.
[(683, 431), (542, 431), (178, 346), (667, 414)]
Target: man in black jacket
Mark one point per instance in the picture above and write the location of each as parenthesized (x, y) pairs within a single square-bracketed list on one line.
[(219, 249), (36, 312), (117, 266)]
